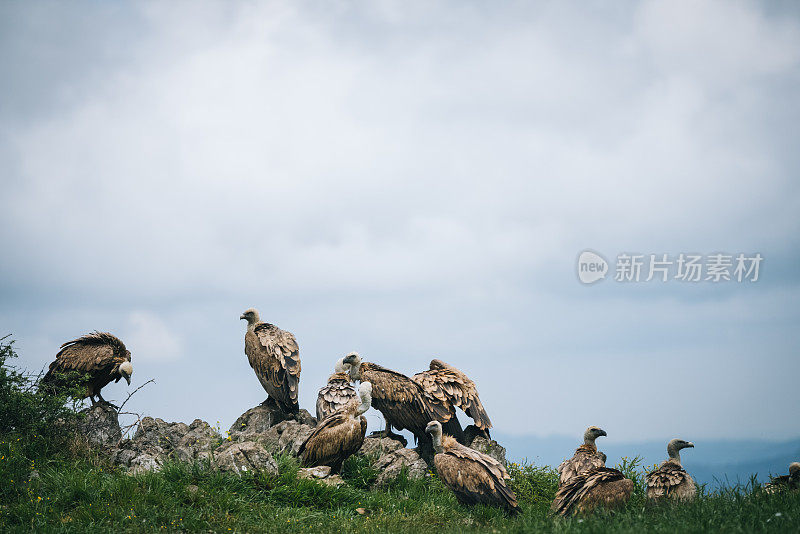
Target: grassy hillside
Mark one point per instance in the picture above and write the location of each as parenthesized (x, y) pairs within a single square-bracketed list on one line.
[(51, 482)]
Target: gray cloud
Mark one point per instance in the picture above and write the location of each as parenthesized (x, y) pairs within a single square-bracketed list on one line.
[(410, 181)]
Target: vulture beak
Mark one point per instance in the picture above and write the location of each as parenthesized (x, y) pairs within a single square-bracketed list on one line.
[(603, 432), (690, 444), (128, 379), (241, 316), (349, 359)]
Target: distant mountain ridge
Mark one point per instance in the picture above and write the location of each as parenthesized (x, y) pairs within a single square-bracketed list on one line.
[(713, 462)]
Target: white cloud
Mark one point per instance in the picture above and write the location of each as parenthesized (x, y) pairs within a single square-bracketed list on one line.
[(150, 339)]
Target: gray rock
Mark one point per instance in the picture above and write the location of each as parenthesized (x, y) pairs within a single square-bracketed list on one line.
[(286, 436), (101, 426), (392, 464), (377, 447), (145, 462), (321, 474), (241, 457), (489, 447), (263, 417)]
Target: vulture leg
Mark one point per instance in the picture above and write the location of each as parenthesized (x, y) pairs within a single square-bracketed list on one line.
[(101, 400)]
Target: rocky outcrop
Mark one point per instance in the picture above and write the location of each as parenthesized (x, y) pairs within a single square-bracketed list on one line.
[(321, 474), (156, 441), (286, 436), (100, 426), (392, 464), (243, 457), (261, 418), (377, 447)]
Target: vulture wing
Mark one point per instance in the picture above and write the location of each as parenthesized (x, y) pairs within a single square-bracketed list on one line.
[(402, 401), (598, 486), (446, 382), (670, 480), (584, 459), (334, 395), (97, 353), (333, 440), (474, 477), (276, 362)]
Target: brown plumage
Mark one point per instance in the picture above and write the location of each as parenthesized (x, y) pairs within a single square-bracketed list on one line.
[(586, 456), (454, 389), (336, 393), (275, 357), (671, 480), (785, 482), (402, 401), (474, 477), (599, 486), (99, 355), (339, 435)]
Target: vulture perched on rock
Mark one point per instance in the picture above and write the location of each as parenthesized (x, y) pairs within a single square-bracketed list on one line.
[(402, 402), (454, 389), (339, 435), (336, 393), (275, 357), (586, 456), (100, 356), (474, 477), (599, 486), (785, 482), (671, 480)]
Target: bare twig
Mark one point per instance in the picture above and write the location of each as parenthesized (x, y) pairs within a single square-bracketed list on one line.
[(132, 393)]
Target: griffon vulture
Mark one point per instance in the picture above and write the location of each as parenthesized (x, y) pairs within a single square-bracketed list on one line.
[(339, 435), (586, 456), (454, 389), (671, 480), (274, 356), (599, 486), (402, 402), (336, 393), (785, 482), (474, 477), (100, 355)]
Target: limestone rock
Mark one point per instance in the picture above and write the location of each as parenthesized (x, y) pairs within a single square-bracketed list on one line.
[(490, 447), (101, 426), (377, 447), (260, 419), (241, 457), (321, 474), (392, 464)]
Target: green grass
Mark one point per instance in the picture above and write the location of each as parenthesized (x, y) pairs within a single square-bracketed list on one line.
[(84, 495)]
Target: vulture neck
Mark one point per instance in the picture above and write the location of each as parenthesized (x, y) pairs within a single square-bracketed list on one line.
[(674, 454), (355, 372), (589, 442), (437, 442), (366, 402)]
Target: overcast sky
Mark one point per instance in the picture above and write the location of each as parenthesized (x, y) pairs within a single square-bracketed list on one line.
[(412, 180)]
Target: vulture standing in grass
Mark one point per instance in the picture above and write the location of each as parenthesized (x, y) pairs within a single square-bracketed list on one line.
[(474, 477), (339, 435), (402, 402), (454, 389), (275, 357), (671, 480), (785, 482), (586, 456), (599, 486), (101, 356), (336, 393)]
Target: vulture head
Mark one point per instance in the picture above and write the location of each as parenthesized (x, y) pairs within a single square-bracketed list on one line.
[(437, 364), (592, 433), (794, 470), (251, 316), (674, 447), (354, 361), (434, 428), (125, 371), (365, 393), (340, 366)]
